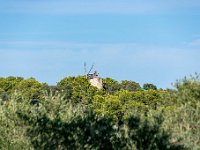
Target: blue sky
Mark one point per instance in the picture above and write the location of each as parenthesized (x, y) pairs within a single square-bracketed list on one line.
[(147, 41)]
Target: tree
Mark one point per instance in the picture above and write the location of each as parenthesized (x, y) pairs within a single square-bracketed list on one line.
[(81, 128), (110, 85), (9, 83), (148, 86), (78, 89), (108, 105), (31, 88), (130, 85)]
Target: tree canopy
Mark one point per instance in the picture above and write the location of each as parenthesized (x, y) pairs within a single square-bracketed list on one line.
[(76, 115)]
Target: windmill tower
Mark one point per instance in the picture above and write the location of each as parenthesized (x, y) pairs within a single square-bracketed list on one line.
[(93, 78)]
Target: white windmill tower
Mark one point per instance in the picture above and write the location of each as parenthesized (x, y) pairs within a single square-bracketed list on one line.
[(93, 78)]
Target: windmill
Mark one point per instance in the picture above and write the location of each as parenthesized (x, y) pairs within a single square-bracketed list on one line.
[(89, 74), (93, 78)]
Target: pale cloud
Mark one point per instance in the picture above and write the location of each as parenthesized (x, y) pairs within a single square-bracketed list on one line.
[(113, 51), (195, 43), (78, 7), (95, 7)]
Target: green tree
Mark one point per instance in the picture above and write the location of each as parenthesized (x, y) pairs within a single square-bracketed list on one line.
[(9, 83), (78, 89), (188, 89), (130, 85), (108, 105), (110, 85), (148, 86), (31, 88), (12, 129), (81, 128)]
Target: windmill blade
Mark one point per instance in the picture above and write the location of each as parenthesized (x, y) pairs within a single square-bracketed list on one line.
[(85, 68), (91, 69)]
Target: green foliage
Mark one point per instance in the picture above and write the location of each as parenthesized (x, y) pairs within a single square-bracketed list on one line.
[(184, 123), (109, 106), (126, 99), (148, 86), (75, 115), (183, 120), (111, 86), (148, 134), (30, 88), (130, 85), (78, 89), (7, 84), (12, 130), (81, 128), (188, 89), (149, 98)]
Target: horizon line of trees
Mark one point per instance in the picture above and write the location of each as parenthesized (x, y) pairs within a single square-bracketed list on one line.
[(32, 88), (75, 115)]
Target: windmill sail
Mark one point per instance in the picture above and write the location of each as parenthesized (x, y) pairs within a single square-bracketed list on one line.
[(85, 68), (91, 69)]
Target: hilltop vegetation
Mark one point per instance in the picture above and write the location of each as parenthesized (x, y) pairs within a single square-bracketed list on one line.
[(75, 115)]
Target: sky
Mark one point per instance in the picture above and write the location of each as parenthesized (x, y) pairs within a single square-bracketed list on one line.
[(146, 41)]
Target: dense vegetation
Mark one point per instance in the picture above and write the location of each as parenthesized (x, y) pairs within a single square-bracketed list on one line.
[(75, 115)]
